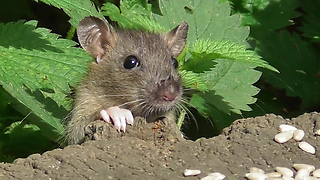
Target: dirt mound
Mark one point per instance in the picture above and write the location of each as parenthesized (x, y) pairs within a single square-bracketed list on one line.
[(157, 151)]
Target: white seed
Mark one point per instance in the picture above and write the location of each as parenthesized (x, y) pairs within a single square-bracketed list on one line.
[(310, 168), (214, 176), (256, 170), (307, 147), (310, 178), (302, 174), (316, 173), (287, 178), (274, 178), (284, 171), (256, 176), (286, 127), (298, 134), (191, 172), (273, 175), (318, 132), (283, 136), (208, 178)]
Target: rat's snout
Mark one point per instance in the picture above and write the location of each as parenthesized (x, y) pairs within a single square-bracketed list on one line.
[(168, 89)]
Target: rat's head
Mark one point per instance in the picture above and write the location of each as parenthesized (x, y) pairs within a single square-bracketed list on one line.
[(137, 69)]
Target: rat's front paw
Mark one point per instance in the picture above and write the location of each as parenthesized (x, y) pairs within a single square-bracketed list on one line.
[(119, 117)]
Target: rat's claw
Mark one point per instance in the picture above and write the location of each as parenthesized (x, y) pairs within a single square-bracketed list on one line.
[(117, 122), (120, 117), (105, 116), (128, 116), (123, 123)]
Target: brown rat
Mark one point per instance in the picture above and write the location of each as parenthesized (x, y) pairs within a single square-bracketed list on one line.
[(135, 74)]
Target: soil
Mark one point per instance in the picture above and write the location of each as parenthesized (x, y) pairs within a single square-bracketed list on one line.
[(158, 151)]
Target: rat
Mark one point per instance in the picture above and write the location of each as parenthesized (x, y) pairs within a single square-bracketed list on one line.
[(135, 73)]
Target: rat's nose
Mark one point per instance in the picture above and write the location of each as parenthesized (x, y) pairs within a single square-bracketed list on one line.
[(168, 89)]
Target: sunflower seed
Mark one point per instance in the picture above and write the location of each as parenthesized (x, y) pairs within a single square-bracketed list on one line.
[(316, 173), (310, 168), (302, 174), (307, 147), (214, 176), (283, 136), (298, 134), (191, 172), (273, 175), (286, 127), (284, 171), (256, 170), (256, 176)]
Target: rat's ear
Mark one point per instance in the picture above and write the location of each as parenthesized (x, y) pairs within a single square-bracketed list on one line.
[(95, 36), (177, 38)]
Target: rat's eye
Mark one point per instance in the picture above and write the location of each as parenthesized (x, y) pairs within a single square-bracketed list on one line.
[(131, 62), (174, 62)]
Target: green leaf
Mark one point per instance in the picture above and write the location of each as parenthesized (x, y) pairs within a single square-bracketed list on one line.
[(132, 15), (266, 15), (297, 62), (227, 80), (33, 58), (207, 20), (75, 9), (50, 125), (21, 140), (193, 81), (37, 59), (216, 109), (233, 81), (310, 21), (205, 50)]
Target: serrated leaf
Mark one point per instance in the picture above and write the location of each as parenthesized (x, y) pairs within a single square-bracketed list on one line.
[(192, 80), (51, 126), (297, 62), (310, 21), (216, 109), (205, 50), (136, 6), (207, 20), (75, 9), (136, 17), (233, 81), (33, 58), (42, 62), (266, 15), (21, 140)]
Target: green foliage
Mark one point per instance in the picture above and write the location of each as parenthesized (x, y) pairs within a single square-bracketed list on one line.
[(311, 26), (297, 62), (286, 50), (75, 9), (266, 15), (132, 15), (38, 68), (207, 20)]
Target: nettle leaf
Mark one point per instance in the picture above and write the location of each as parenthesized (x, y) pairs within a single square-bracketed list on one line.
[(233, 81), (231, 75), (75, 9), (21, 140), (266, 15), (204, 50), (207, 20), (193, 80), (33, 60), (132, 15), (310, 21), (297, 62)]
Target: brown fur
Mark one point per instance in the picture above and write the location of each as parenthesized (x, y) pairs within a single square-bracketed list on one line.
[(108, 83)]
